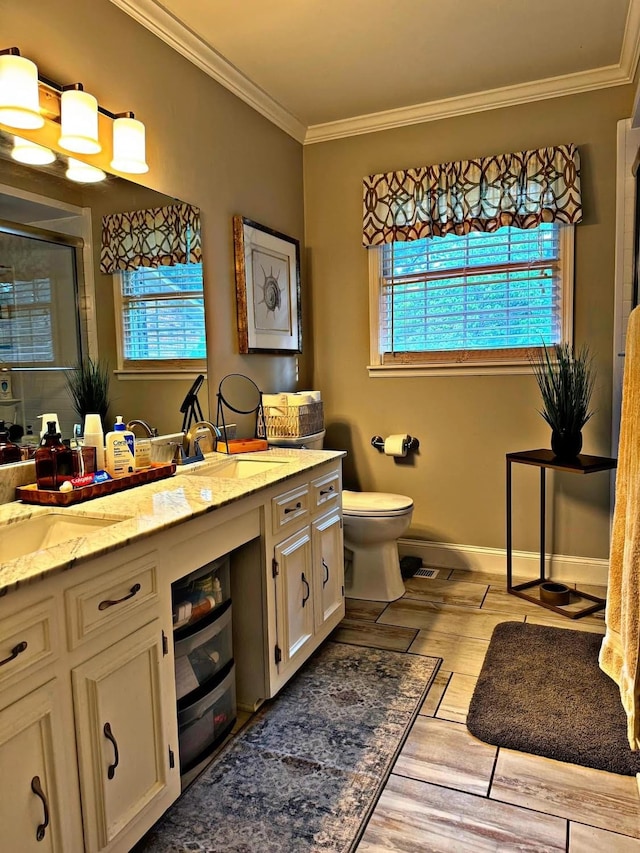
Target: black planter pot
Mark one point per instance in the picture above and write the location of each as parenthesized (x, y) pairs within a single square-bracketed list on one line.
[(566, 445)]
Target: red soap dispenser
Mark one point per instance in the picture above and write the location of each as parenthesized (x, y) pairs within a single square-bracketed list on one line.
[(9, 452), (54, 460)]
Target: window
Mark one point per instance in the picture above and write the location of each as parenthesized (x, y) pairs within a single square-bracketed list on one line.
[(480, 300), (161, 311)]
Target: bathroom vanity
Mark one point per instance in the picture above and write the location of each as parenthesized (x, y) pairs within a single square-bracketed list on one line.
[(88, 723)]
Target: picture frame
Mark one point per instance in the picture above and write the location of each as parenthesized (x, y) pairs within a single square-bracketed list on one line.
[(267, 270)]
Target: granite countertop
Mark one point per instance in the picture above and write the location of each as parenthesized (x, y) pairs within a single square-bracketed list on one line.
[(139, 512)]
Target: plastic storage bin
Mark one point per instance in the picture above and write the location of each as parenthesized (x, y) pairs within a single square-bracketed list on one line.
[(203, 650), (205, 718), (196, 595)]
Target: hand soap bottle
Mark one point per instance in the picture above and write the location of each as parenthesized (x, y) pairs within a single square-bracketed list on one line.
[(54, 460), (120, 450), (9, 452)]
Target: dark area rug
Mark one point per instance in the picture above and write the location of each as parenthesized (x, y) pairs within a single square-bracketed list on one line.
[(541, 691), (305, 774)]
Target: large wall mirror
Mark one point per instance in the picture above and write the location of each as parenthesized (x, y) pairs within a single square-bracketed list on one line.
[(55, 305)]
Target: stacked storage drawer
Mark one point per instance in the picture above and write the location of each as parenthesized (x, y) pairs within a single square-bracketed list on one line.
[(205, 671)]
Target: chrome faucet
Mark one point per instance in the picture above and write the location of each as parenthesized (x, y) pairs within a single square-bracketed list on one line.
[(145, 426), (193, 439)]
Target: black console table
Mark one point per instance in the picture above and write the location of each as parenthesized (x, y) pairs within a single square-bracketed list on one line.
[(544, 459)]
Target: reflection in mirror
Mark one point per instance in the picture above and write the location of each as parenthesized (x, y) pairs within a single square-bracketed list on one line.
[(239, 393), (39, 322), (50, 317)]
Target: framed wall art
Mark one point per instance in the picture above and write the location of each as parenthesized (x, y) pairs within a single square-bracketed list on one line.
[(267, 289)]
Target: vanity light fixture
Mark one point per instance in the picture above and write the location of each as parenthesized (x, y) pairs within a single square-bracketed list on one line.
[(79, 121), (19, 101), (28, 152), (83, 173), (20, 89), (129, 145)]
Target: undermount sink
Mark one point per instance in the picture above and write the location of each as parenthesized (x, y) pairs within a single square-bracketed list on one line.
[(20, 538), (237, 469)]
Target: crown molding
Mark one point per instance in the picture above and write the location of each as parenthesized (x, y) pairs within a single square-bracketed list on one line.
[(162, 24), (506, 96)]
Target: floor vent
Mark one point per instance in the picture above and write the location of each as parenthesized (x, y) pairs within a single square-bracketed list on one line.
[(426, 573)]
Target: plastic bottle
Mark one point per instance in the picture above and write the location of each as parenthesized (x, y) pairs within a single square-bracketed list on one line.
[(54, 460), (9, 452), (120, 450), (29, 445), (143, 453), (94, 437), (217, 591)]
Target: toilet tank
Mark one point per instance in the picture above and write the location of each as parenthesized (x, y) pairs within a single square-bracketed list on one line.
[(301, 442)]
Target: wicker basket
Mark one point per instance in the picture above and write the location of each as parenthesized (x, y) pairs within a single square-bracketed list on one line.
[(291, 421)]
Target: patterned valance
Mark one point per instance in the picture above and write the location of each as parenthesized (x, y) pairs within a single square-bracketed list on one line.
[(158, 236), (521, 189)]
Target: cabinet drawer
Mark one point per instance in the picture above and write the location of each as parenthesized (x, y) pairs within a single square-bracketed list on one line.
[(105, 600), (28, 642), (325, 490), (289, 507)]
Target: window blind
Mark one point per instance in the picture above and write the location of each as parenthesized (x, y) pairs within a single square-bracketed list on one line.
[(163, 313), (26, 335), (454, 297)]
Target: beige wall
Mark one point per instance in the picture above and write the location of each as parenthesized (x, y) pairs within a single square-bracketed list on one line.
[(465, 424), (204, 146)]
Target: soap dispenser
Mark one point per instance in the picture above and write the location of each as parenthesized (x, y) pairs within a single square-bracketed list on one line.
[(54, 460), (9, 452)]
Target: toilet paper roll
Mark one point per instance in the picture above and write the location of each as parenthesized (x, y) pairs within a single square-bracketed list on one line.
[(396, 445), (278, 399), (299, 399)]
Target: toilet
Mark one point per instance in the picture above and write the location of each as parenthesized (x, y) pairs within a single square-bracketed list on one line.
[(373, 522)]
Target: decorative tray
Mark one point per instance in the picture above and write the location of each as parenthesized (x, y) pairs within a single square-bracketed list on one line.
[(31, 494)]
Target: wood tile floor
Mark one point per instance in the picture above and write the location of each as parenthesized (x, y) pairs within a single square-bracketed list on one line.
[(448, 790)]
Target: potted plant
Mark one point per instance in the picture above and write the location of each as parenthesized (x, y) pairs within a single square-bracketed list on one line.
[(88, 387), (566, 382)]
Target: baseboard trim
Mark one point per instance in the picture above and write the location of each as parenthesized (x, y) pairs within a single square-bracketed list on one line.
[(585, 570)]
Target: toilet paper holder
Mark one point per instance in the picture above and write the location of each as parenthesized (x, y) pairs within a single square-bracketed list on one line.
[(409, 444)]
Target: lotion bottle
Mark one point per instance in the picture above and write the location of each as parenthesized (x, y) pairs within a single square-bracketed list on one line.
[(120, 450)]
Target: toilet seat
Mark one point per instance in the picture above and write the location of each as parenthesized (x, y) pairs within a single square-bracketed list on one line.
[(374, 504)]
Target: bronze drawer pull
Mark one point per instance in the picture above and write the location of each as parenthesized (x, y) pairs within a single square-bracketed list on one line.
[(108, 602), (36, 787), (293, 508), (326, 578), (15, 651), (111, 770), (306, 583), (327, 491)]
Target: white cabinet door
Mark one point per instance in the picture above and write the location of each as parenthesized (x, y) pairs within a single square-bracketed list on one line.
[(123, 752), (328, 567), (38, 795), (294, 585)]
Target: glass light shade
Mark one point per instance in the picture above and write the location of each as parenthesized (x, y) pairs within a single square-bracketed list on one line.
[(129, 146), (19, 101), (79, 122), (28, 152), (83, 173)]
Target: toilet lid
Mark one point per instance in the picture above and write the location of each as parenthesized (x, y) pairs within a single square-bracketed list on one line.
[(374, 503)]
